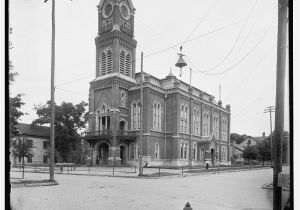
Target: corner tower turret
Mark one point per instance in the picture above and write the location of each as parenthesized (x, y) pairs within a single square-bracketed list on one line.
[(115, 43)]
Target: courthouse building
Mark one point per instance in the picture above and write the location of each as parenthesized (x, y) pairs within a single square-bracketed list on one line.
[(182, 125)]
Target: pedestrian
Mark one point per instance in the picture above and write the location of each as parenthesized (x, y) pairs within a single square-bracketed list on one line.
[(207, 165)]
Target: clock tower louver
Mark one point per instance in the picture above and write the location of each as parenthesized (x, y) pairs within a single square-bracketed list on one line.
[(115, 74)]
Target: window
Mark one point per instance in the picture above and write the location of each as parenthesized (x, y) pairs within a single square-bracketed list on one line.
[(45, 144), (216, 125), (128, 64), (202, 154), (224, 129), (29, 159), (181, 150), (123, 99), (156, 116), (181, 118), (122, 62), (106, 61), (156, 151), (206, 123), (135, 115), (185, 150), (194, 151), (194, 121), (131, 151), (138, 115), (185, 119), (29, 143), (125, 63)]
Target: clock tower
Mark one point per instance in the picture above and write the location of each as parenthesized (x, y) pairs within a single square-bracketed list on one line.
[(115, 43), (109, 108)]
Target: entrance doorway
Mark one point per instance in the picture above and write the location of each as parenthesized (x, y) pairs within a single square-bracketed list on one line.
[(123, 155), (103, 154)]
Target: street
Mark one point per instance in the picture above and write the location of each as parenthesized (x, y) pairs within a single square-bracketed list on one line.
[(233, 190)]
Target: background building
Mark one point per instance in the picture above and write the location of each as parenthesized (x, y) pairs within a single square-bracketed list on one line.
[(182, 125), (39, 138)]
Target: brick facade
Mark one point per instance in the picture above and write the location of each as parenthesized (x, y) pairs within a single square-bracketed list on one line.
[(114, 107)]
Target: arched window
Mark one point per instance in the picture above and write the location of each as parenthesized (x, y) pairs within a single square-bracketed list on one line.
[(128, 65), (138, 115), (122, 62), (103, 61), (181, 150), (131, 151), (125, 63), (202, 153), (158, 117), (198, 122), (109, 61), (181, 118), (194, 121), (156, 150), (133, 119), (185, 150), (154, 115), (186, 120), (123, 99), (194, 151)]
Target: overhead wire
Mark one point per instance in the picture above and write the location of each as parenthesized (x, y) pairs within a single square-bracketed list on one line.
[(201, 20), (235, 42), (263, 58), (238, 62)]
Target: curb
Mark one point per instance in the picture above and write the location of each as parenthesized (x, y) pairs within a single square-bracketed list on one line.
[(157, 177), (17, 185)]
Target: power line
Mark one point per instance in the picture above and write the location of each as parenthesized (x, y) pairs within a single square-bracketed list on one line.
[(240, 61), (70, 91), (202, 20), (253, 101), (235, 42), (168, 48), (263, 58)]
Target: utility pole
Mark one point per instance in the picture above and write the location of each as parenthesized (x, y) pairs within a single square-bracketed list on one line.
[(279, 113), (141, 116), (190, 116), (52, 136), (271, 109)]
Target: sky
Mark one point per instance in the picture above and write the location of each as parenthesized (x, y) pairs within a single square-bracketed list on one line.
[(231, 43)]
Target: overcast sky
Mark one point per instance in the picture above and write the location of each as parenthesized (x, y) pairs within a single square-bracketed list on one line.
[(231, 43)]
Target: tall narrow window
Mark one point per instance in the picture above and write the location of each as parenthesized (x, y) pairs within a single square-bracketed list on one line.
[(131, 151), (181, 118), (138, 115), (185, 150), (122, 62), (103, 60), (109, 61), (194, 151), (128, 65), (158, 117), (154, 115), (123, 99), (181, 150), (156, 149), (186, 120), (133, 120)]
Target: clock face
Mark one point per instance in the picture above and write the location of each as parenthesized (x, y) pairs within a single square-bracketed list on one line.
[(125, 11), (107, 10)]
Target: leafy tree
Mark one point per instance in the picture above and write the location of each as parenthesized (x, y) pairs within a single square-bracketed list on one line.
[(264, 149), (237, 137), (21, 147), (251, 153), (69, 121)]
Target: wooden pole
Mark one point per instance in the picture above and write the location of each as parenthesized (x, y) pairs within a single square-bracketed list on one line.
[(52, 135), (141, 118), (279, 112)]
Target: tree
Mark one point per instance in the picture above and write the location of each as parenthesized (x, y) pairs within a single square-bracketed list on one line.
[(69, 122), (21, 147), (237, 137), (264, 149), (251, 153), (15, 103)]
